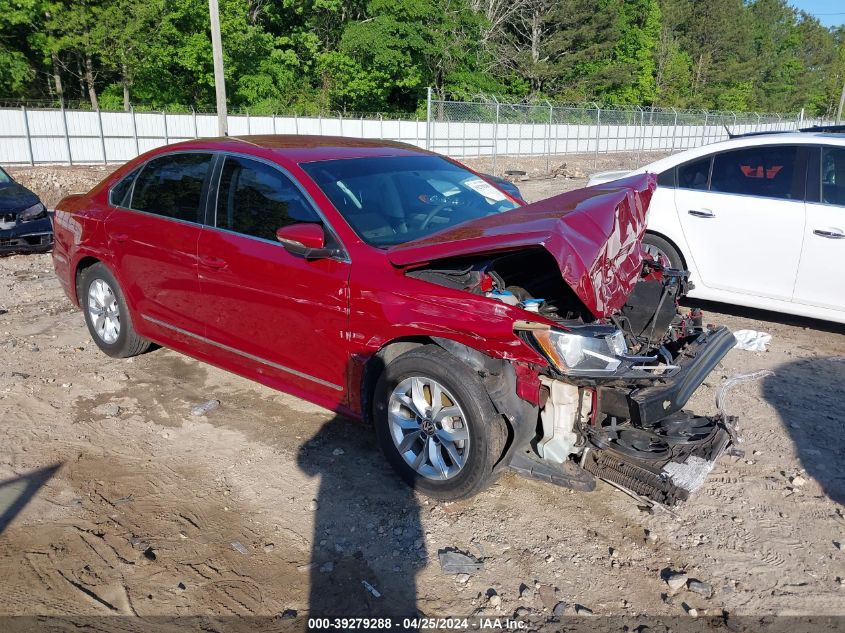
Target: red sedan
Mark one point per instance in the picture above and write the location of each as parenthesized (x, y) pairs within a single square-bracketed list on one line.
[(397, 286)]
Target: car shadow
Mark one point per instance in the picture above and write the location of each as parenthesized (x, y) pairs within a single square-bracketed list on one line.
[(15, 493), (807, 395), (764, 315), (367, 549)]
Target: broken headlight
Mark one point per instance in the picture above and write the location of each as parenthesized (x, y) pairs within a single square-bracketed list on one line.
[(34, 212), (586, 350)]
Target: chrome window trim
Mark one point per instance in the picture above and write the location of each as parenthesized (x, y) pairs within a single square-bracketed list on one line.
[(252, 357), (342, 256)]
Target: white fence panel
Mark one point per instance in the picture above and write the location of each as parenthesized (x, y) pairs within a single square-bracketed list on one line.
[(460, 130)]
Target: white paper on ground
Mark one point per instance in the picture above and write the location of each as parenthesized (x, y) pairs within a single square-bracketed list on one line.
[(752, 340)]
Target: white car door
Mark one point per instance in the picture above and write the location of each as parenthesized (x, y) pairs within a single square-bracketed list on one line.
[(820, 282), (744, 219)]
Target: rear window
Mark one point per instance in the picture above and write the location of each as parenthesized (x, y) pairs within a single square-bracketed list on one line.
[(119, 194), (766, 171), (833, 175), (666, 178), (172, 186), (5, 179), (695, 175)]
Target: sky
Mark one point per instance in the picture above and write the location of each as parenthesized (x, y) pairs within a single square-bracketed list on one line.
[(829, 12)]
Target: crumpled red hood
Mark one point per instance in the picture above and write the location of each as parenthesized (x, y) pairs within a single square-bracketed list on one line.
[(593, 233)]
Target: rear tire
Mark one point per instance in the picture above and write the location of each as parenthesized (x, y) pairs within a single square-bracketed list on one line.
[(656, 244), (107, 315), (435, 408)]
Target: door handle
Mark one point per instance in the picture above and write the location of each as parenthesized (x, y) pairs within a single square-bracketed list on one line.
[(119, 237), (833, 235), (702, 213), (212, 262)]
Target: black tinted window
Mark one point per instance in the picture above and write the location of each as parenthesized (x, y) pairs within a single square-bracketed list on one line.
[(172, 186), (257, 199), (833, 175), (766, 171), (119, 194), (666, 178), (694, 175)]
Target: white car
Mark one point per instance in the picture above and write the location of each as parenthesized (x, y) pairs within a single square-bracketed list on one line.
[(758, 220)]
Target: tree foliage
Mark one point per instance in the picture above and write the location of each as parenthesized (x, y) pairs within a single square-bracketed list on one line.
[(381, 55)]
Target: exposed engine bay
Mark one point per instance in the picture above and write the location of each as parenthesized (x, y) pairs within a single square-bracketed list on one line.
[(612, 395)]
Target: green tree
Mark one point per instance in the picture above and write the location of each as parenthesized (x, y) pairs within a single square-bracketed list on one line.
[(69, 40), (380, 55), (633, 62), (16, 69), (123, 37), (580, 48)]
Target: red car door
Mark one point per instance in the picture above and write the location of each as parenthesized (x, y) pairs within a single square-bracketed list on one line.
[(281, 317), (153, 234)]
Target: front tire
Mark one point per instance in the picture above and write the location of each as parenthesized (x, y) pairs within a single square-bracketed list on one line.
[(436, 425), (107, 315)]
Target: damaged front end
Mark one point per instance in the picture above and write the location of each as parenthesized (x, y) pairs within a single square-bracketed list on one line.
[(628, 426), (620, 364)]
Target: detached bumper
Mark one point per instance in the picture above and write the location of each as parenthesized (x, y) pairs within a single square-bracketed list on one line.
[(27, 237), (646, 406), (655, 449)]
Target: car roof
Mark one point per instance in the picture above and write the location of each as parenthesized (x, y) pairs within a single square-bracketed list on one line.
[(740, 142), (305, 148)]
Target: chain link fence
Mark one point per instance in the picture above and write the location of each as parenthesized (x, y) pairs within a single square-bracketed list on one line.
[(492, 128), (460, 129)]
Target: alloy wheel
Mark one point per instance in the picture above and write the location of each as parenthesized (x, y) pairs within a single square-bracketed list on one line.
[(104, 311), (428, 428)]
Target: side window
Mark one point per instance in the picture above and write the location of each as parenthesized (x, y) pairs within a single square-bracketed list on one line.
[(833, 175), (256, 199), (171, 186), (666, 178), (695, 175), (119, 194), (766, 171)]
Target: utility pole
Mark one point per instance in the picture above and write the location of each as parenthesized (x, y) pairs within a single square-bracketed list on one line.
[(841, 104), (219, 80)]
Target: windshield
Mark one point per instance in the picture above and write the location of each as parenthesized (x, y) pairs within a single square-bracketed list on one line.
[(5, 179), (395, 199)]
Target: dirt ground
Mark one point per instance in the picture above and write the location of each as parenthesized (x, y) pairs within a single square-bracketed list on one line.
[(115, 499)]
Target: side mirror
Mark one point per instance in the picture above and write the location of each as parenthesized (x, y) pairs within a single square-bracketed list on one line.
[(307, 240)]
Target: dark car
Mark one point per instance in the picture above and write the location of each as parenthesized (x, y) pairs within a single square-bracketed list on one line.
[(24, 222), (394, 285)]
